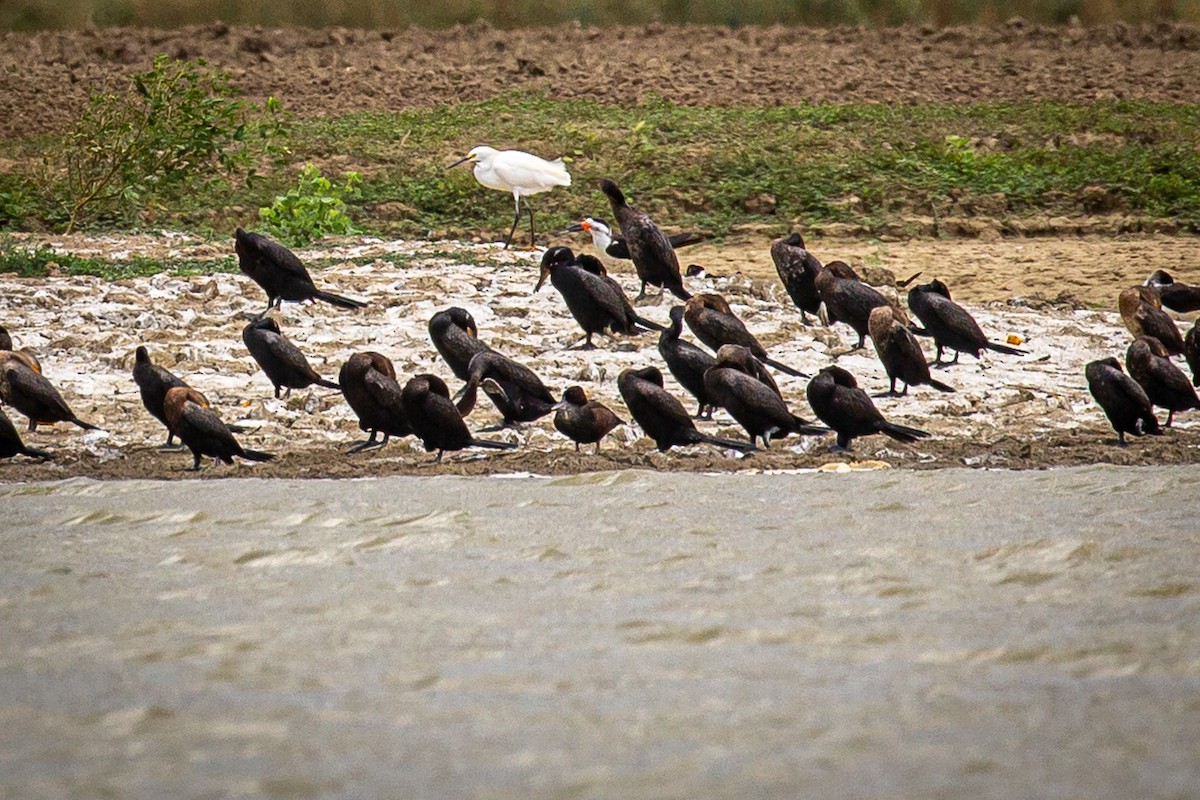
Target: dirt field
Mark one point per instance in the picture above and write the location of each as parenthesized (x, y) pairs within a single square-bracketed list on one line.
[(44, 77), (1030, 413)]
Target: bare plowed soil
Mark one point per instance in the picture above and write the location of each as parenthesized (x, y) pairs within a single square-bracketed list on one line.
[(44, 77)]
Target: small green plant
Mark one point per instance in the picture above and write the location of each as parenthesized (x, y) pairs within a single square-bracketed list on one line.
[(314, 208), (177, 128)]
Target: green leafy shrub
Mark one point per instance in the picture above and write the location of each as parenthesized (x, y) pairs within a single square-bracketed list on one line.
[(313, 209), (178, 128)]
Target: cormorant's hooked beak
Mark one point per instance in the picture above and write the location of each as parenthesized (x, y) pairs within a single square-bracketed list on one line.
[(461, 160), (541, 279)]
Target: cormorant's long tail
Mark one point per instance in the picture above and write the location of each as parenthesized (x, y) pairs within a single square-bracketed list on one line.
[(785, 368), (256, 455), (339, 301), (329, 384), (493, 445), (680, 292), (33, 452), (645, 323), (941, 387), (732, 444), (1003, 348), (902, 433), (806, 428), (87, 426)]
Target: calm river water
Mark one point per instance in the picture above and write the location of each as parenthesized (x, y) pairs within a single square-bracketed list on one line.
[(887, 634)]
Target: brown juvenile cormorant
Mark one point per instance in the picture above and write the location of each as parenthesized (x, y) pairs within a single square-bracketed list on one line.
[(368, 382), (839, 403), (714, 323), (950, 325), (687, 362), (594, 300), (847, 299), (1179, 297), (651, 251), (279, 272), (518, 394), (202, 431), (11, 444), (1191, 351), (900, 353), (30, 393), (1141, 312), (435, 420), (7, 351), (1122, 399), (6, 342), (584, 421), (602, 238), (285, 366), (798, 269), (456, 337), (1165, 384), (153, 382), (661, 416), (756, 406)]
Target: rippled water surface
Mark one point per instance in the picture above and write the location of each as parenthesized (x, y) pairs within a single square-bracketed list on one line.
[(930, 634)]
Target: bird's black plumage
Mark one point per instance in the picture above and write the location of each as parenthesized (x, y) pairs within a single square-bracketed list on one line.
[(455, 335), (1122, 399), (282, 362), (1166, 385), (847, 299), (900, 353), (686, 362), (798, 269), (649, 248), (661, 416), (202, 431), (436, 421), (713, 322), (368, 382), (838, 402), (280, 273), (950, 325), (516, 391), (757, 406), (153, 382), (11, 444), (584, 421), (34, 396), (595, 301)]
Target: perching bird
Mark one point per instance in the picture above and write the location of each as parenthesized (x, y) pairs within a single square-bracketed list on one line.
[(153, 383), (686, 362), (584, 421), (456, 337), (518, 394), (732, 385), (653, 256), (368, 382), (1165, 384), (900, 353), (1122, 399), (518, 172), (30, 393), (279, 272), (798, 269), (1141, 312), (847, 299), (282, 362), (661, 416), (603, 240), (202, 431), (1179, 297), (950, 324), (11, 444), (435, 420), (838, 402), (714, 323), (595, 301)]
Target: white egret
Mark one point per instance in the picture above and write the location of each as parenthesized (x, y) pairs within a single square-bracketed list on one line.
[(518, 172)]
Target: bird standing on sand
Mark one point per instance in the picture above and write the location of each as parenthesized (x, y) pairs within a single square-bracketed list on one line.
[(661, 416), (798, 269), (653, 256), (279, 272), (950, 324), (368, 382), (1141, 311), (435, 420), (516, 391), (1122, 399), (838, 402), (1179, 297), (847, 298), (153, 383), (518, 172), (285, 366), (33, 395), (1165, 384), (584, 421), (714, 323), (687, 362), (757, 406), (900, 353), (202, 431)]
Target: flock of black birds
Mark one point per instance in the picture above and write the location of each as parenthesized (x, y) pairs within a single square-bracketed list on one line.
[(734, 377)]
